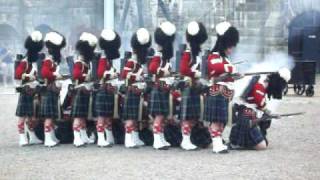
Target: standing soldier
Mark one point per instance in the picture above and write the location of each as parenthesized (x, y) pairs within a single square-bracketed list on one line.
[(196, 35), (252, 120), (82, 76), (133, 73), (160, 67), (26, 72), (50, 107), (221, 92), (104, 102)]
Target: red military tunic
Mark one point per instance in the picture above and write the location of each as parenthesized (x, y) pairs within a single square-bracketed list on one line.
[(155, 67), (24, 67), (185, 68), (104, 66), (257, 96), (131, 70), (48, 69), (80, 71), (218, 66)]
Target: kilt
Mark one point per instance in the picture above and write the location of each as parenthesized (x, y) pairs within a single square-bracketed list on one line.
[(190, 104), (25, 105), (130, 108), (242, 135), (216, 109), (159, 102), (103, 103), (49, 104), (80, 104)]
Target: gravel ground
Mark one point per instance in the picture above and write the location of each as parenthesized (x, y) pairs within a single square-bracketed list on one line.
[(293, 153)]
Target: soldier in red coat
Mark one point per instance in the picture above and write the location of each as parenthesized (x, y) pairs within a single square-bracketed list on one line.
[(26, 72), (220, 93), (196, 35), (50, 107), (82, 77), (249, 130), (132, 73), (159, 68), (110, 43)]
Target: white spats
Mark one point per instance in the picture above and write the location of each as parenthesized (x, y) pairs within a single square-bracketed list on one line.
[(109, 136), (129, 141), (77, 141), (168, 28), (285, 74), (85, 138), (193, 28), (102, 140), (90, 38), (186, 143), (222, 27), (137, 139), (36, 36), (23, 140), (49, 139), (54, 37), (159, 141), (143, 36), (33, 139), (108, 34), (218, 146)]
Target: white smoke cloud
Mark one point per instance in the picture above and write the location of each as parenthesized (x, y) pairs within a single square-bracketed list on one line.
[(271, 63)]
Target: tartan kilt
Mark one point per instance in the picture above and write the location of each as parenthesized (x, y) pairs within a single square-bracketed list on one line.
[(216, 109), (130, 108), (242, 135), (103, 103), (49, 104), (190, 104), (25, 105), (159, 102), (80, 104)]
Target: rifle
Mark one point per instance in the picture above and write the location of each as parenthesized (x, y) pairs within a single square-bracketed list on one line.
[(269, 117), (239, 62)]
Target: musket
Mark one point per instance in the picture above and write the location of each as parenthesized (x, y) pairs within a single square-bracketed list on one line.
[(279, 116), (269, 117), (239, 62)]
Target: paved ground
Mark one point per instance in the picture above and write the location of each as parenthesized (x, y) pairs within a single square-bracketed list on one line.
[(293, 154)]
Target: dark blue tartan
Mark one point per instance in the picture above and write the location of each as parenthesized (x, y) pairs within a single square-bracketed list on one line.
[(190, 104), (159, 102), (80, 104), (103, 103), (216, 109), (130, 108), (49, 104), (244, 136), (25, 105)]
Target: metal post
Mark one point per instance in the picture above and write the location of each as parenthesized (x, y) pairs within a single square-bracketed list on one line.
[(109, 14), (140, 13)]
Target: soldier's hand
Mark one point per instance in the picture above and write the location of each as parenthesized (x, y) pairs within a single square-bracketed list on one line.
[(57, 75)]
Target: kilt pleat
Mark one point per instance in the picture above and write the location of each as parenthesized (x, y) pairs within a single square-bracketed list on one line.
[(103, 104), (242, 135), (80, 104), (159, 102), (216, 109), (130, 109), (49, 104), (190, 104), (25, 107)]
